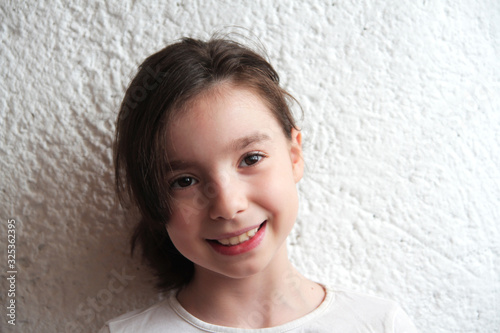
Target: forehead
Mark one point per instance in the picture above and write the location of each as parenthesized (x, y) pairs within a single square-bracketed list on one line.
[(222, 114), (221, 94)]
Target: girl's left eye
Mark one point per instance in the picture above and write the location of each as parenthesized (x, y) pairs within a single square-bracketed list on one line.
[(251, 159)]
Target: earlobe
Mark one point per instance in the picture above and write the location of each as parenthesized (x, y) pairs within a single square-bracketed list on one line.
[(296, 155)]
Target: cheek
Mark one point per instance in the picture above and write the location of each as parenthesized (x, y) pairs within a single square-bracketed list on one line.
[(278, 191), (184, 238), (183, 226), (187, 208), (177, 233)]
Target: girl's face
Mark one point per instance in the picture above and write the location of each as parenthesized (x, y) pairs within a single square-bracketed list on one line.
[(232, 182)]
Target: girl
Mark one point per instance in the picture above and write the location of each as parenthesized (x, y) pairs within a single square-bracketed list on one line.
[(207, 148)]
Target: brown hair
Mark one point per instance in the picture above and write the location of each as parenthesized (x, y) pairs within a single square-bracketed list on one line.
[(165, 83)]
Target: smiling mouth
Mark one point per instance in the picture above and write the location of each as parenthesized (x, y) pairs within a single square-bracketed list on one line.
[(236, 240)]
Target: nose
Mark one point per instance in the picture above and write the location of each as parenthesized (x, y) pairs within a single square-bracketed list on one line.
[(228, 199)]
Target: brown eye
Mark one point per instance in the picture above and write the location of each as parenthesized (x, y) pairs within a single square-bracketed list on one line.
[(251, 159), (183, 182)]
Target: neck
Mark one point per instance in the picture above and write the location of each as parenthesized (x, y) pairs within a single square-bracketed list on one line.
[(272, 297)]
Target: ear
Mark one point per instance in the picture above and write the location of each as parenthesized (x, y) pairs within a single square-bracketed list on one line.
[(296, 155)]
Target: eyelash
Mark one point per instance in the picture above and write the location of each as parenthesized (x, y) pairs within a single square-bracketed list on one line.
[(176, 180), (259, 154), (193, 180)]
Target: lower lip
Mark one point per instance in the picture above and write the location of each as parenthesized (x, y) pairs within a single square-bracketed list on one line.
[(244, 247)]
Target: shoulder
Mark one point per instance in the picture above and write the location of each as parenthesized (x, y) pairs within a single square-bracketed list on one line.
[(341, 311), (352, 311), (363, 302), (152, 319), (139, 320)]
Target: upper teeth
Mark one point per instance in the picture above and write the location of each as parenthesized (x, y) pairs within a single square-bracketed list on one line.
[(239, 239)]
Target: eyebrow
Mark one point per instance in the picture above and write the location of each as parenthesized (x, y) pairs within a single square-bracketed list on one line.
[(246, 141), (237, 144), (179, 165)]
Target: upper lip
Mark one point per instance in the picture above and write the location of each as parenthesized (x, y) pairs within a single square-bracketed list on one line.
[(236, 233)]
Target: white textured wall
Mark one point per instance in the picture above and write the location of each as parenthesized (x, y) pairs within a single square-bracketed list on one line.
[(401, 122)]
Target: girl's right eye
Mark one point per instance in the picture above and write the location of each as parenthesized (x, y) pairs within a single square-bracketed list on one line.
[(182, 182)]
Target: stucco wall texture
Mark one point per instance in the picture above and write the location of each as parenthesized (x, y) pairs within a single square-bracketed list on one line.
[(401, 123)]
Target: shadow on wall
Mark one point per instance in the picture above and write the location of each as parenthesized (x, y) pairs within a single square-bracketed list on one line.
[(73, 243), (107, 275)]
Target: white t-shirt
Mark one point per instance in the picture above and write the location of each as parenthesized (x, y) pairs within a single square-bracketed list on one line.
[(340, 311)]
